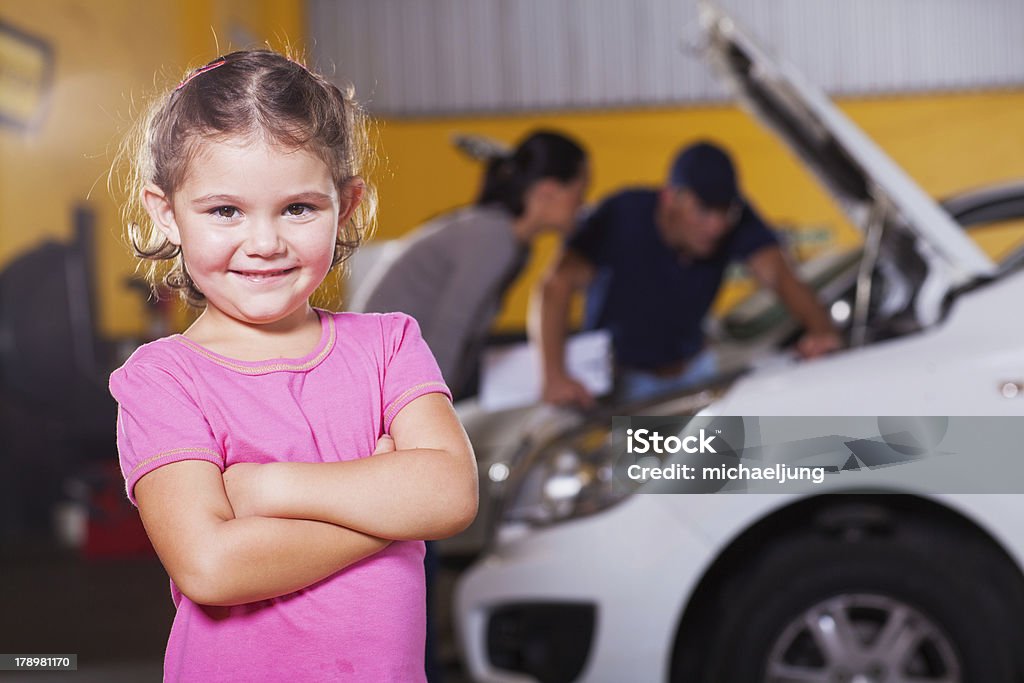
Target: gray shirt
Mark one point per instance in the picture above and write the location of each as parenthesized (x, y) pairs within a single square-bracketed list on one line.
[(451, 275)]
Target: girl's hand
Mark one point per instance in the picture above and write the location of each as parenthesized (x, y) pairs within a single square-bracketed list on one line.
[(385, 444), (243, 483)]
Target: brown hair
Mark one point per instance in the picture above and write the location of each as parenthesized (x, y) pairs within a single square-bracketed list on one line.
[(253, 92)]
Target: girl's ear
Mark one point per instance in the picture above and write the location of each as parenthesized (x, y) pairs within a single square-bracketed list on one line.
[(350, 196), (158, 206)]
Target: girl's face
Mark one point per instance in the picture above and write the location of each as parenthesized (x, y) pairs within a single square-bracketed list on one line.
[(257, 224)]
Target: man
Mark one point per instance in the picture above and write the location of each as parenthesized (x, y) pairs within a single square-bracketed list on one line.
[(653, 261)]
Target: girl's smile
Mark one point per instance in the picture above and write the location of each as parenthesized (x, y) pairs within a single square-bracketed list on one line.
[(261, 276)]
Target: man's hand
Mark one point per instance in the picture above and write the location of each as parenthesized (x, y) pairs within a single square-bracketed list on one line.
[(771, 269), (814, 344), (564, 390)]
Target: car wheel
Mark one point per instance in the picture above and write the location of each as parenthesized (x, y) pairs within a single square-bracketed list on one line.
[(915, 604), (866, 637)]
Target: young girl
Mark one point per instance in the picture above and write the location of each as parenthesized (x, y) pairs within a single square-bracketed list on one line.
[(245, 441)]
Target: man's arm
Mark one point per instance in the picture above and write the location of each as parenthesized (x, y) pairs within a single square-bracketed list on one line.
[(770, 268), (216, 559), (424, 489), (549, 321)]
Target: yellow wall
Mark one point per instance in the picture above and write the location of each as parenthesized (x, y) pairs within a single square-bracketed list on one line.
[(945, 142), (109, 56)]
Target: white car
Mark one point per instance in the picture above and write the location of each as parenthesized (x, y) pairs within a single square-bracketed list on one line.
[(589, 581)]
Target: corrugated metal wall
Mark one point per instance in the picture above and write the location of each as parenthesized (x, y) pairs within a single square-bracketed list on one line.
[(418, 57)]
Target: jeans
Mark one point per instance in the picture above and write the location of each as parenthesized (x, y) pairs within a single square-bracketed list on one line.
[(636, 385)]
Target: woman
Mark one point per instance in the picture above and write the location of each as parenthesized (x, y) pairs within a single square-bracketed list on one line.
[(452, 273)]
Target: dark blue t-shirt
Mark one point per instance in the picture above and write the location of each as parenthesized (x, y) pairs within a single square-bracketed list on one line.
[(652, 300)]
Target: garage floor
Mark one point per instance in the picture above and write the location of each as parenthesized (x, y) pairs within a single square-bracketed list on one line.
[(114, 614)]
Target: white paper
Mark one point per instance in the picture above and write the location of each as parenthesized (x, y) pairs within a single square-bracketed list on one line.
[(510, 375)]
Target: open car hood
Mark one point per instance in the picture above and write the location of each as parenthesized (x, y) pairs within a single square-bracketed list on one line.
[(854, 170)]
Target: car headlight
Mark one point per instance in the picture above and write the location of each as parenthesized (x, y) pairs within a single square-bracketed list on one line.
[(574, 475), (568, 477)]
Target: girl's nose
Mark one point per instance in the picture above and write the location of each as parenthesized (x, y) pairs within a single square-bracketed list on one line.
[(263, 239)]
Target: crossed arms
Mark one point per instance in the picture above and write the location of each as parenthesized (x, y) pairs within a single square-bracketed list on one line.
[(260, 531)]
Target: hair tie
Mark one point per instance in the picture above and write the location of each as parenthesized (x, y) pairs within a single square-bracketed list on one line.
[(201, 70)]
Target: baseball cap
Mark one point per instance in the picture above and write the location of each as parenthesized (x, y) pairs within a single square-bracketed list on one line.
[(708, 172)]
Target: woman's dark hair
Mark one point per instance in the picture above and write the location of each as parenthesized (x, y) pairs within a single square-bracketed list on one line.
[(257, 93), (543, 154)]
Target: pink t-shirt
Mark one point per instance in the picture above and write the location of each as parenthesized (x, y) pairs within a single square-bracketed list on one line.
[(180, 401)]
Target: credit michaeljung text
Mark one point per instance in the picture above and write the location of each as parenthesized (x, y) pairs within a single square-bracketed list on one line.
[(776, 473)]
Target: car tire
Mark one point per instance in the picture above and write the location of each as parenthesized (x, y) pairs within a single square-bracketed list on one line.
[(814, 606)]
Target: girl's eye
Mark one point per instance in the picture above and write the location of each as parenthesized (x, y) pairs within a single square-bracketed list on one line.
[(225, 211), (298, 209)]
